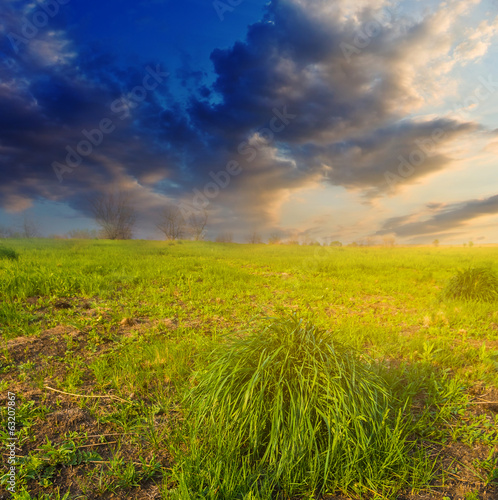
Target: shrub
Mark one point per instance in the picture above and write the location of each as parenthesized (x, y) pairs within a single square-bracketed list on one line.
[(8, 253), (296, 408), (474, 283)]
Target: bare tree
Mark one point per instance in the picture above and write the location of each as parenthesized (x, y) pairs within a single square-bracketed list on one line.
[(115, 214), (172, 224), (389, 241), (226, 237), (7, 232), (254, 238), (275, 238), (197, 223), (370, 241), (29, 228)]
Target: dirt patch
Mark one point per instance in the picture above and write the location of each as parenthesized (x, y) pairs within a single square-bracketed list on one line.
[(48, 343), (67, 418), (458, 460), (486, 400)]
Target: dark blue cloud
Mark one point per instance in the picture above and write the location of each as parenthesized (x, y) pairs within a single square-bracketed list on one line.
[(445, 219), (79, 72)]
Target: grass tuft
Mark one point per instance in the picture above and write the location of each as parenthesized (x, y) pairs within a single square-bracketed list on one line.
[(474, 283), (8, 253), (292, 409)]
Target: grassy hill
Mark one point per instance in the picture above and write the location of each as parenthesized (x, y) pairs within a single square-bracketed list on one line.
[(104, 345)]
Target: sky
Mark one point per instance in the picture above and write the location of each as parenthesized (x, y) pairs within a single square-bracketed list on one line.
[(312, 119)]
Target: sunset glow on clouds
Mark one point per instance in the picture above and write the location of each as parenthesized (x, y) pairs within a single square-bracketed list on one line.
[(335, 120)]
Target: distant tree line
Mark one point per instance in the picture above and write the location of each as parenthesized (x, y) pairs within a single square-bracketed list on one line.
[(28, 229), (116, 216)]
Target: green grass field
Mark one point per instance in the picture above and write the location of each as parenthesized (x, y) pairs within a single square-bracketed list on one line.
[(189, 370)]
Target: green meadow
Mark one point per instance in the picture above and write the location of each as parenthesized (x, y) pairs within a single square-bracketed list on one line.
[(200, 370)]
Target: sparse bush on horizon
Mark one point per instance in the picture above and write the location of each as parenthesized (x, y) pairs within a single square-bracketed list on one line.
[(225, 237), (83, 234), (254, 238), (27, 230), (7, 232), (275, 238)]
